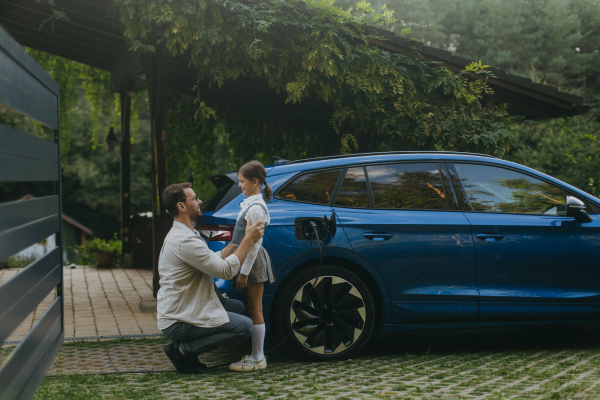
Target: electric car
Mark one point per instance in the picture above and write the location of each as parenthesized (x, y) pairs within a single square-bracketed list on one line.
[(415, 240)]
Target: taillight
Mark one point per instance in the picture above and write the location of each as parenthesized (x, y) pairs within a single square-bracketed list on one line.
[(216, 233)]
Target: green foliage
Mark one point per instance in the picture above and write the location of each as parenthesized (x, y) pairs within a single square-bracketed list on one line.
[(197, 149), (573, 139), (16, 262), (56, 15), (96, 85), (380, 100), (189, 149), (594, 187), (86, 254), (91, 176)]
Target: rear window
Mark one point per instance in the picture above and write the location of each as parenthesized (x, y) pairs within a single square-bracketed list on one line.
[(213, 201), (315, 187)]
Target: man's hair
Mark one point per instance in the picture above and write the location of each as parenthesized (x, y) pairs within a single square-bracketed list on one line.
[(174, 194)]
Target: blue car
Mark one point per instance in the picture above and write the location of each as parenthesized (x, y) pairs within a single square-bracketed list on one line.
[(423, 240)]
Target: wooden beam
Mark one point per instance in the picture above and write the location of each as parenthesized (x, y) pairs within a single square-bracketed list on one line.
[(126, 72), (157, 80), (125, 175)]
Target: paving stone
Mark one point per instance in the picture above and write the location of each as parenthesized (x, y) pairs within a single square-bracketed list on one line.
[(97, 302)]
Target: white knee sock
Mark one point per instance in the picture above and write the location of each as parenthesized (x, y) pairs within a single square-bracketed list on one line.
[(258, 339)]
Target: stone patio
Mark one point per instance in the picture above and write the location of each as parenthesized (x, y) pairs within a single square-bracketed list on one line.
[(98, 302)]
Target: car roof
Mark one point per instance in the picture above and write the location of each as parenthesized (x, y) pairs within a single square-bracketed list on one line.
[(368, 158)]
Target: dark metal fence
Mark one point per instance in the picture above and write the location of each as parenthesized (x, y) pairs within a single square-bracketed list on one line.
[(26, 88)]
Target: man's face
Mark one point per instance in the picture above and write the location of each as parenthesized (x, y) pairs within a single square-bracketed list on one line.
[(192, 204)]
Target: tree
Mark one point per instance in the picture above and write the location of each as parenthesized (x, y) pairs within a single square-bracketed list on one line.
[(379, 100), (555, 42)]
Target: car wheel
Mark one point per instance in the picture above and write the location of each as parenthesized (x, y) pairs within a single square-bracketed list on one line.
[(336, 319)]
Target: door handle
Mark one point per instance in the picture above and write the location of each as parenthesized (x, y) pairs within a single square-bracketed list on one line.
[(489, 237), (377, 236)]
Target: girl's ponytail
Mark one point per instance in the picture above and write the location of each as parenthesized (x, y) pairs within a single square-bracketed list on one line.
[(267, 192)]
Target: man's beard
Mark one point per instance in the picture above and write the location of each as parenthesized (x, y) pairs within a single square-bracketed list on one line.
[(196, 215)]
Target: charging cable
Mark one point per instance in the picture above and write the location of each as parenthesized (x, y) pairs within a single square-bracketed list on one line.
[(314, 226)]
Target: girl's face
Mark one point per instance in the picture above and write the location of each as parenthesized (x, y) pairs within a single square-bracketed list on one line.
[(249, 187)]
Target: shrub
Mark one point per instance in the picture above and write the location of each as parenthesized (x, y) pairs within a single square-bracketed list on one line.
[(87, 252), (16, 262)]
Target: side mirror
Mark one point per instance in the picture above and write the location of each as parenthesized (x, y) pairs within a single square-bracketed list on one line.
[(576, 209)]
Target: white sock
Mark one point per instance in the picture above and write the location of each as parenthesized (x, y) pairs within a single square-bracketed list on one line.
[(258, 340)]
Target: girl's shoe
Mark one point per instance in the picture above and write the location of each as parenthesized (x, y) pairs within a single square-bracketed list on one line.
[(247, 365)]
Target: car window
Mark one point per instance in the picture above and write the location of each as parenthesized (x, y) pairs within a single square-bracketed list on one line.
[(407, 186), (354, 191), (316, 187), (500, 190)]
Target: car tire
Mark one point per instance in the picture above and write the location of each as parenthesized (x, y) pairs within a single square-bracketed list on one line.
[(335, 321)]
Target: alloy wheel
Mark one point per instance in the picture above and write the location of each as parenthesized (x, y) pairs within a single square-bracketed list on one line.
[(331, 319)]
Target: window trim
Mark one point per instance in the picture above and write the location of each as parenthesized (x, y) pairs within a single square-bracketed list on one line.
[(453, 204), (366, 165), (312, 171), (462, 188), (463, 200), (340, 183)]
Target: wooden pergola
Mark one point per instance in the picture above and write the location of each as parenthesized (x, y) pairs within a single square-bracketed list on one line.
[(91, 37)]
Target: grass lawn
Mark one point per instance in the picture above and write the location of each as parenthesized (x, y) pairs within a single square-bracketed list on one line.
[(542, 362)]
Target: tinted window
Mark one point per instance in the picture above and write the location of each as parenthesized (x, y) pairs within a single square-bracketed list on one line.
[(493, 189), (213, 201), (354, 191), (316, 187), (415, 186)]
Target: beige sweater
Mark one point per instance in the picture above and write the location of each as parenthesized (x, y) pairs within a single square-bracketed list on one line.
[(186, 268)]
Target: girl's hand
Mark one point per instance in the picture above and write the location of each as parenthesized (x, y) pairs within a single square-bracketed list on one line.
[(242, 281)]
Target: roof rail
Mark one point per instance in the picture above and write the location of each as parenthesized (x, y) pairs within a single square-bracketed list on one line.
[(386, 152)]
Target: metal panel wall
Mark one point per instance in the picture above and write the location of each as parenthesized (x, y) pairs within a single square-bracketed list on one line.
[(26, 88)]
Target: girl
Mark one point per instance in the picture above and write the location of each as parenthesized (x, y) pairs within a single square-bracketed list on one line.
[(257, 269)]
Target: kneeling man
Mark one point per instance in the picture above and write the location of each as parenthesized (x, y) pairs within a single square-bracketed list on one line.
[(190, 312)]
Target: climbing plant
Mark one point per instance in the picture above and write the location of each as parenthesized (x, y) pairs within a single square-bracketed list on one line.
[(96, 85), (380, 100)]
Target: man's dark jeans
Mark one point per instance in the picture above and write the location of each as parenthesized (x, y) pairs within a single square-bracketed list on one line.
[(195, 340)]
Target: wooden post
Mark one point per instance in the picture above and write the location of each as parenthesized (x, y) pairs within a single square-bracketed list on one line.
[(125, 178), (157, 80)]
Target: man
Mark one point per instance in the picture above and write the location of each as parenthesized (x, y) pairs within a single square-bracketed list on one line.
[(190, 312)]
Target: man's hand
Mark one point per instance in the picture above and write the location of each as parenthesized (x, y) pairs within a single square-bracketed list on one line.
[(253, 234), (254, 231), (242, 281)]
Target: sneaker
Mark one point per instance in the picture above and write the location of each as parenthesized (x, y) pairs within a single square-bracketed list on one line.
[(184, 364), (248, 364)]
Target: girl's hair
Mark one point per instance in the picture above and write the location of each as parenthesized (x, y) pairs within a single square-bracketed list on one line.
[(255, 170)]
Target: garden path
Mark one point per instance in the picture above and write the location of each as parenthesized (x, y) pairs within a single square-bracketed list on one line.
[(98, 302)]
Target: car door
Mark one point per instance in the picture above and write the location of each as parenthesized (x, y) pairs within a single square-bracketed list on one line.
[(533, 262), (404, 219), (306, 195)]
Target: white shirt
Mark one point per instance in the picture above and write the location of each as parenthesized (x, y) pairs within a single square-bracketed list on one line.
[(186, 267), (255, 214)]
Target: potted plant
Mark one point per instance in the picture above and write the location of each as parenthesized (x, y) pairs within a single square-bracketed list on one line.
[(100, 252)]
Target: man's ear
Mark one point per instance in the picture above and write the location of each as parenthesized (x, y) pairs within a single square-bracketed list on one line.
[(182, 208)]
